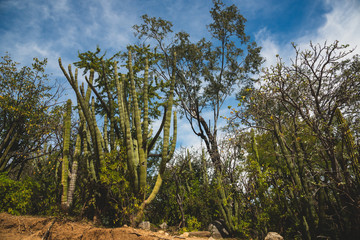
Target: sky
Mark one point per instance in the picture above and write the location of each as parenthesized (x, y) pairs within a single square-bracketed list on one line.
[(62, 28)]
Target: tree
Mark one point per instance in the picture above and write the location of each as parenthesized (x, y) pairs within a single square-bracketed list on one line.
[(207, 73), (308, 108), (26, 120)]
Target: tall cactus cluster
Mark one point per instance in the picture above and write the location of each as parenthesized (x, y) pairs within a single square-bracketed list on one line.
[(68, 177), (130, 128)]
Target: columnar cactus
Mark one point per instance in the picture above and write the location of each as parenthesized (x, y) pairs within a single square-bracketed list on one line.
[(65, 159), (83, 100), (137, 156), (134, 125), (68, 188)]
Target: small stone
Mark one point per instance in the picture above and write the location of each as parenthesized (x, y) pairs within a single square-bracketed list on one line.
[(163, 226), (145, 225), (125, 226), (185, 234), (214, 231), (161, 232), (273, 236), (202, 234)]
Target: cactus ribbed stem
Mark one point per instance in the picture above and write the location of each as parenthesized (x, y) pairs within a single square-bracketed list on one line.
[(85, 108), (125, 126), (137, 114), (74, 168), (65, 159), (165, 157), (146, 107), (106, 142), (98, 137)]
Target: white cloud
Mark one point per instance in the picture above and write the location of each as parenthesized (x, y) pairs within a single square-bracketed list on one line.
[(270, 47), (342, 23)]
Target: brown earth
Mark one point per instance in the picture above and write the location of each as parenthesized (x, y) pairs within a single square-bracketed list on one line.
[(46, 228)]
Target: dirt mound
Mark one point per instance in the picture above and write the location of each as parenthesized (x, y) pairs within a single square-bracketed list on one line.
[(39, 228)]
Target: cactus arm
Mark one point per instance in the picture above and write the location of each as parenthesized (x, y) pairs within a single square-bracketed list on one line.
[(173, 141), (106, 141), (74, 168), (111, 107), (280, 137), (146, 107), (204, 168), (84, 105), (98, 137), (89, 89), (125, 126), (142, 159), (65, 160), (165, 151)]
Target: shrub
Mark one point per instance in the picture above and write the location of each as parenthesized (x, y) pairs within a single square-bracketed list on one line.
[(16, 195)]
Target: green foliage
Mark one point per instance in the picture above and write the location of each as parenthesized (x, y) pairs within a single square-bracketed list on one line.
[(16, 196), (303, 174), (36, 195), (295, 172), (121, 203), (26, 121), (185, 194), (192, 223), (46, 196)]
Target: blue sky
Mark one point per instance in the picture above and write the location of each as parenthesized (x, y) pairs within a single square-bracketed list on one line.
[(61, 28)]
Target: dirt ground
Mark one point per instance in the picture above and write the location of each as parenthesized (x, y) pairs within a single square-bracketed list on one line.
[(46, 228)]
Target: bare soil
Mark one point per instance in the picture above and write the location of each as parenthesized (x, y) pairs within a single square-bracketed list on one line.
[(46, 228)]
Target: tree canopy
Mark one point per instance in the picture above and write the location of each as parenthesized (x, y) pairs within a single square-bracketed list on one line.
[(26, 121)]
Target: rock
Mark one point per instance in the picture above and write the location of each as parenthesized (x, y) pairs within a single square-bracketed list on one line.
[(161, 232), (185, 234), (214, 231), (218, 230), (163, 226), (145, 225), (200, 234), (273, 236)]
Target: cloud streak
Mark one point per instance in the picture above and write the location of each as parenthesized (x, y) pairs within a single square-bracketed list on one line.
[(340, 23), (52, 29)]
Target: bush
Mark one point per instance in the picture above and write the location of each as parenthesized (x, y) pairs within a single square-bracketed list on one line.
[(16, 195)]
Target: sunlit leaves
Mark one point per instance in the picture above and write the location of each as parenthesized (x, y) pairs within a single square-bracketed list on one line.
[(24, 109)]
